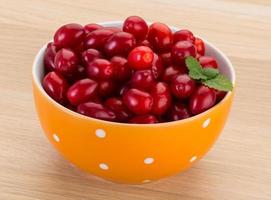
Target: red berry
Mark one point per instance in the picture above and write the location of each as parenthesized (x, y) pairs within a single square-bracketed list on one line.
[(137, 101), (144, 43), (136, 26), (80, 73), (183, 35), (96, 39), (220, 95), (182, 86), (106, 88), (82, 91), (157, 67), (200, 47), (91, 27), (166, 58), (181, 50), (121, 69), (143, 80), (144, 119), (208, 61), (66, 61), (177, 112), (49, 57), (89, 55), (202, 99), (80, 48), (119, 44), (140, 58), (172, 71), (117, 106), (100, 69), (55, 86), (69, 36), (96, 110), (160, 36), (161, 98)]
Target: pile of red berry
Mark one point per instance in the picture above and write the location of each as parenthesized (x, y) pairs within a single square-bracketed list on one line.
[(136, 74)]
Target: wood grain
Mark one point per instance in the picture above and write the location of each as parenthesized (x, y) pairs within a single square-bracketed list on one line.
[(239, 165)]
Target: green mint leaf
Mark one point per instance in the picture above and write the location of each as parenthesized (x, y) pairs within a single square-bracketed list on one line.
[(210, 72), (195, 70), (220, 82)]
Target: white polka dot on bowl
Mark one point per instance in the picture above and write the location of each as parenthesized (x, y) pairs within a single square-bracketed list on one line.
[(56, 138), (206, 123), (148, 161), (100, 133), (193, 159), (103, 166)]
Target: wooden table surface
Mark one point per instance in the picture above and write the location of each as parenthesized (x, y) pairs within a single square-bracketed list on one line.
[(239, 165)]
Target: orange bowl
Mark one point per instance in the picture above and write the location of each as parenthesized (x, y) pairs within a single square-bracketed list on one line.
[(130, 153)]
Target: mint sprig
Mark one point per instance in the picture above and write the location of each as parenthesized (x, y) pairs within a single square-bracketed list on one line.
[(208, 76)]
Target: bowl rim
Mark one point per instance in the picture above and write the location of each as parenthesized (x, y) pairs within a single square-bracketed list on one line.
[(36, 81)]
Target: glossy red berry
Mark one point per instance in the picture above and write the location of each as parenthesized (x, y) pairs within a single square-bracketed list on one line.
[(100, 69), (136, 26), (66, 61), (220, 95), (144, 43), (182, 86), (161, 98), (121, 69), (106, 88), (78, 74), (181, 50), (69, 36), (172, 71), (202, 99), (49, 57), (166, 58), (56, 86), (208, 61), (89, 55), (96, 39), (142, 80), (82, 91), (183, 35), (137, 101), (140, 58), (157, 67), (79, 49), (88, 28), (160, 36), (119, 44), (177, 112), (117, 106), (97, 111), (144, 119), (200, 47)]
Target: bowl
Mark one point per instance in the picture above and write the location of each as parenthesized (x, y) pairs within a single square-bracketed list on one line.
[(130, 153)]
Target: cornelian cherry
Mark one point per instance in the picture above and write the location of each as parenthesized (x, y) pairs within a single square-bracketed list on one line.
[(208, 61), (202, 99), (69, 36), (56, 86), (82, 91), (140, 58), (137, 101), (136, 26)]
